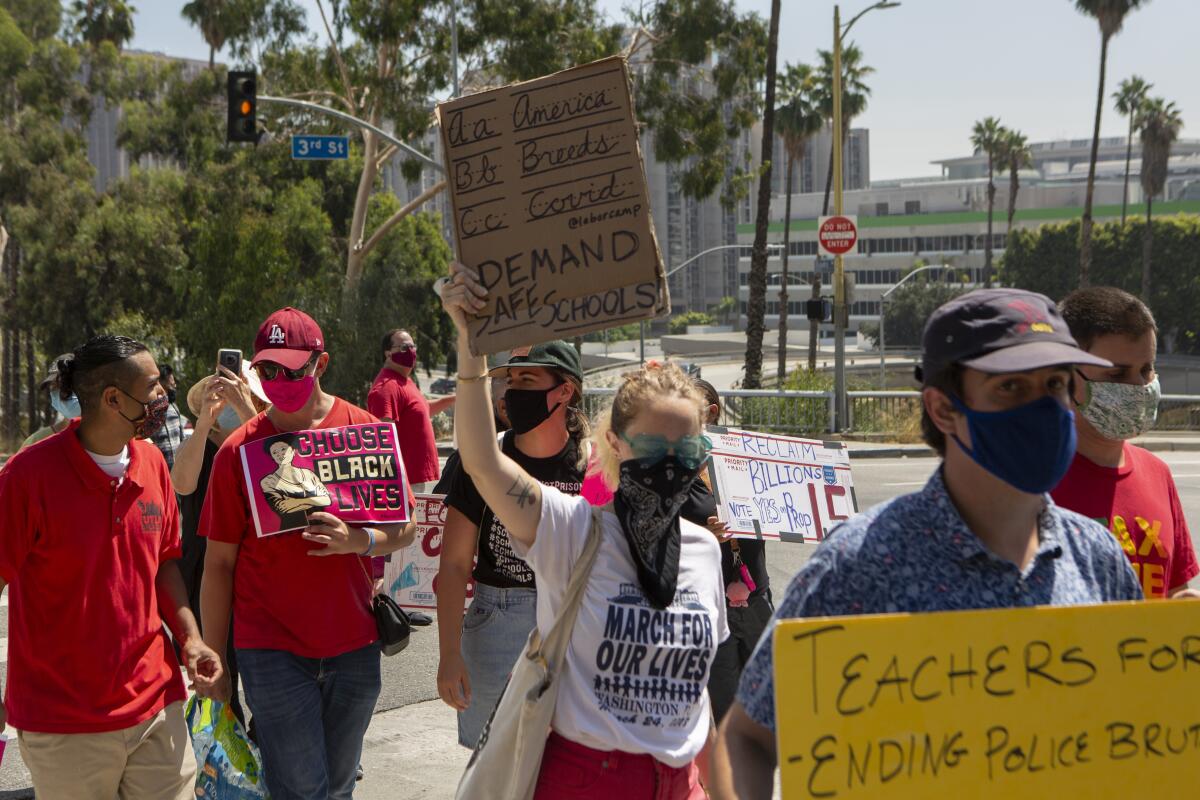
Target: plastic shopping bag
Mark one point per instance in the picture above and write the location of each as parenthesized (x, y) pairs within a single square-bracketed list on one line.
[(228, 764)]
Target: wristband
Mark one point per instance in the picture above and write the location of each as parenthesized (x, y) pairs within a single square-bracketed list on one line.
[(371, 533), (465, 379)]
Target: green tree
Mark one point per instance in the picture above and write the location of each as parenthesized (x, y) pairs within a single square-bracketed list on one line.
[(99, 21), (1160, 123), (38, 19), (1015, 155), (855, 93), (698, 67), (909, 307), (799, 119), (758, 259), (679, 323), (1110, 15), (1129, 97), (1046, 260), (987, 137)]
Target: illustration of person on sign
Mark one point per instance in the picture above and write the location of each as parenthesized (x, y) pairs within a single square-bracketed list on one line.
[(292, 491)]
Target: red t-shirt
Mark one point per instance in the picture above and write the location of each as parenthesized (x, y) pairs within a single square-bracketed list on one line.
[(283, 598), (81, 552), (397, 398), (1140, 506)]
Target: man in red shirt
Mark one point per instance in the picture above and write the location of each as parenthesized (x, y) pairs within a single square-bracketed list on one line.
[(394, 397), (89, 537), (306, 640), (1125, 488)]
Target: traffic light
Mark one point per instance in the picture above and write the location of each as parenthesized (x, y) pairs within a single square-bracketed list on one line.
[(817, 310), (242, 92)]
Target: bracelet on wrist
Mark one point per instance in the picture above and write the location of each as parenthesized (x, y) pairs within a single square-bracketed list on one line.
[(371, 533), (470, 379)]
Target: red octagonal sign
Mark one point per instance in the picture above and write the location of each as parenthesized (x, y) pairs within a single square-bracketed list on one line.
[(837, 235)]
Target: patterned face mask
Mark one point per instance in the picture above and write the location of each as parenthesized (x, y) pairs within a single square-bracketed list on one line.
[(1121, 410)]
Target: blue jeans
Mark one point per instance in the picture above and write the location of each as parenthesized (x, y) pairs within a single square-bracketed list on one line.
[(310, 715), (494, 633)]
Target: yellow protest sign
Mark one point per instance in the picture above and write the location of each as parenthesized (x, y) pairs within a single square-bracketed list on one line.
[(1084, 701)]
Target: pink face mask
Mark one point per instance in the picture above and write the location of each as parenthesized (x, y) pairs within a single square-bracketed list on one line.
[(405, 358), (287, 395)]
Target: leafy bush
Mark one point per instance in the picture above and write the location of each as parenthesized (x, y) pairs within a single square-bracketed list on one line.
[(679, 323)]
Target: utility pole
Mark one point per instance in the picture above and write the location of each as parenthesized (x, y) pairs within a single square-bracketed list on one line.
[(840, 317)]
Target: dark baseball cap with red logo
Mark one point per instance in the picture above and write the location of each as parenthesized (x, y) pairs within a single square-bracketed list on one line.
[(999, 330), (289, 337)]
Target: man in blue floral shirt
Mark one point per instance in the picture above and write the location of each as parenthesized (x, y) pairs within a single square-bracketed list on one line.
[(996, 370)]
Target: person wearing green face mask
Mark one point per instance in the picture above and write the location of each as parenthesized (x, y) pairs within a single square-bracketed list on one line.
[(1124, 487)]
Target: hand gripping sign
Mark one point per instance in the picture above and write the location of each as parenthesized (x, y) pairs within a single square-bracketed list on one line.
[(353, 472)]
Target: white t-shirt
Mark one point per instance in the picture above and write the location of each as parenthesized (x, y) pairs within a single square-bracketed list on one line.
[(112, 466), (635, 677)]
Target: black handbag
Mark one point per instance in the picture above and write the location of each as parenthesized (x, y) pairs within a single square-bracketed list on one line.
[(393, 624), (390, 619)]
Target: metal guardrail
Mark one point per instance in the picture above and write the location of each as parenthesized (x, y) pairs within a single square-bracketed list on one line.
[(899, 412)]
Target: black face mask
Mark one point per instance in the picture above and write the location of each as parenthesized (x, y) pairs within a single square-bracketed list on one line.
[(647, 503), (527, 408), (170, 395)]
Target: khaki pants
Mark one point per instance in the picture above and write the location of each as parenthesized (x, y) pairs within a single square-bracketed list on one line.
[(153, 760)]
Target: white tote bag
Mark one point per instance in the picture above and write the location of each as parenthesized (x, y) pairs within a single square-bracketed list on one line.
[(507, 758)]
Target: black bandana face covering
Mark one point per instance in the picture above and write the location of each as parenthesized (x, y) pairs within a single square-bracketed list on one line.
[(647, 503)]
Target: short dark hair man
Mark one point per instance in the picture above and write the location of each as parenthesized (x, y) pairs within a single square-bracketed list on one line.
[(394, 397), (1127, 489), (89, 537), (996, 368)]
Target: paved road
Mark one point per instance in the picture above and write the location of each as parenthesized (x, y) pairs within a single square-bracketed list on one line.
[(410, 677)]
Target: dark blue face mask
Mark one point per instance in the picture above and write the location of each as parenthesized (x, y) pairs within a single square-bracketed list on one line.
[(1029, 447)]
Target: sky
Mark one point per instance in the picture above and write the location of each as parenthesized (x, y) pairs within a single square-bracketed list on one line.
[(941, 65)]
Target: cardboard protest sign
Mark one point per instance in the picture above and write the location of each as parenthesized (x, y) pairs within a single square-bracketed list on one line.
[(353, 472), (779, 487), (1084, 701), (550, 206), (411, 575)]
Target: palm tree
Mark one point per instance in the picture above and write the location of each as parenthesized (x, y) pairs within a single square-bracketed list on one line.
[(1130, 95), (987, 137), (99, 21), (1015, 154), (1160, 123), (798, 120), (854, 97), (213, 18), (1110, 14), (757, 305)]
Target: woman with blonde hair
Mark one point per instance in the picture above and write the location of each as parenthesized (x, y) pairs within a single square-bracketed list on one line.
[(632, 715)]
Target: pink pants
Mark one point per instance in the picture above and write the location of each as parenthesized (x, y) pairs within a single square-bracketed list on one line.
[(570, 770)]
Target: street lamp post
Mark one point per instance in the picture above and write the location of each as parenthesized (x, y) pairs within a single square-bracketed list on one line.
[(697, 257), (841, 317), (882, 300)]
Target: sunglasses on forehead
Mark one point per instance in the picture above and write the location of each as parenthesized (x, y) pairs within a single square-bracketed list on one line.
[(269, 370), (690, 450)]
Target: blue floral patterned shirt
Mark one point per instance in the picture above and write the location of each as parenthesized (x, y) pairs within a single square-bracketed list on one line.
[(915, 554)]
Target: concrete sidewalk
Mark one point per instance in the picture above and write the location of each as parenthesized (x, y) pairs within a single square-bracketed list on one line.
[(412, 752)]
